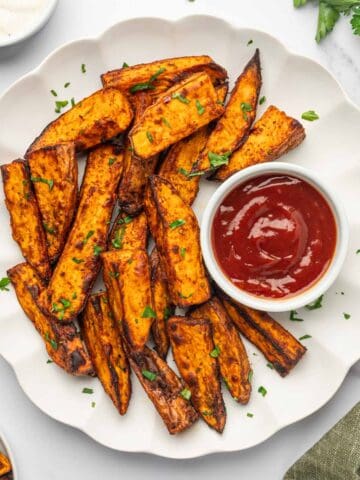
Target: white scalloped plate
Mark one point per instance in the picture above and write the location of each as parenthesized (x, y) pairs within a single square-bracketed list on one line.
[(291, 82)]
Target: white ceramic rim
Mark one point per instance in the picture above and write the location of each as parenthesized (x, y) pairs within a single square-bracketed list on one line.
[(34, 27), (313, 292), (9, 454)]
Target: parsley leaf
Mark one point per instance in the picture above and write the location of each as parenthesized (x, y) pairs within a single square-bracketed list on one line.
[(327, 18), (262, 390), (49, 182), (186, 394), (245, 107), (149, 84), (177, 223), (181, 98), (304, 337), (87, 390), (310, 116), (148, 312), (347, 316), (294, 318), (218, 160), (149, 375), (315, 305), (4, 282), (149, 137), (216, 352), (355, 21), (199, 107)]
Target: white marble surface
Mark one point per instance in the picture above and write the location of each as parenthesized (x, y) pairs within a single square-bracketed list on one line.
[(47, 450)]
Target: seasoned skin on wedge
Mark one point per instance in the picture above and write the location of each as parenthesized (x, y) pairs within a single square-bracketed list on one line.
[(25, 219), (57, 205), (234, 125), (62, 341), (165, 390), (278, 345), (93, 120), (163, 306), (175, 229), (5, 465), (79, 262), (127, 279), (175, 114), (232, 357), (103, 341), (129, 232), (192, 346), (128, 77), (273, 135)]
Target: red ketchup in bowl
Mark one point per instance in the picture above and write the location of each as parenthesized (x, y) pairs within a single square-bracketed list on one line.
[(274, 235)]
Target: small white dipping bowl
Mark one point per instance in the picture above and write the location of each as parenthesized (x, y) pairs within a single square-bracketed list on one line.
[(296, 300)]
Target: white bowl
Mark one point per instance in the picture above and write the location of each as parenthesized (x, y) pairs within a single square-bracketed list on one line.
[(33, 27), (305, 296)]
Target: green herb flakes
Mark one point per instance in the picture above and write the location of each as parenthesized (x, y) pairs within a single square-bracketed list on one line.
[(83, 68), (250, 42), (176, 223), (147, 85), (89, 391), (262, 100), (4, 282), (77, 260), (262, 390), (53, 92), (215, 352), (315, 305), (67, 84), (200, 109), (182, 252), (88, 235), (250, 376), (149, 375), (181, 98), (48, 182), (166, 122), (250, 415), (217, 160), (60, 104), (186, 394), (148, 312), (245, 107), (293, 316), (304, 337), (310, 116), (150, 137), (97, 250), (48, 229), (347, 316)]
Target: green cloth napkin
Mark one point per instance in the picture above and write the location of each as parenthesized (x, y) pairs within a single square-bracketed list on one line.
[(336, 456)]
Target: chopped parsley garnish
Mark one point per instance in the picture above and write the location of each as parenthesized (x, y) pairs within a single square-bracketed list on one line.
[(67, 84), (218, 160), (112, 160), (52, 342), (77, 260), (181, 295), (149, 137), (4, 282), (315, 305), (97, 250), (245, 107), (59, 104), (49, 182), (215, 352), (53, 92), (270, 365), (167, 313), (148, 312), (250, 415), (93, 404), (294, 318), (147, 85), (262, 390), (149, 375), (182, 252), (72, 102), (358, 251), (186, 394), (347, 316), (83, 68), (250, 376), (304, 337), (126, 220), (49, 361), (207, 413), (262, 100), (181, 98), (89, 391), (166, 122), (199, 107), (310, 116), (177, 223), (125, 65), (65, 302), (119, 235), (189, 174), (48, 229), (114, 274), (88, 235), (250, 42)]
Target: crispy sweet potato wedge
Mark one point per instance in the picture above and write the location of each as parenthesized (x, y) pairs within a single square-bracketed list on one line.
[(229, 348), (279, 347), (175, 114), (193, 347), (57, 205), (62, 342), (162, 304), (95, 119), (127, 78), (79, 263), (234, 125), (26, 224), (5, 465), (175, 229), (129, 233), (102, 338), (273, 135), (127, 278), (165, 390)]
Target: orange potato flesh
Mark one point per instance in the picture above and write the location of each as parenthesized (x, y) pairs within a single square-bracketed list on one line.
[(105, 346), (26, 224), (79, 263), (273, 135), (63, 342), (232, 357), (57, 205), (129, 232), (5, 465)]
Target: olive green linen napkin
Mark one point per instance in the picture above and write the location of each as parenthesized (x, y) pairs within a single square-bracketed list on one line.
[(336, 456)]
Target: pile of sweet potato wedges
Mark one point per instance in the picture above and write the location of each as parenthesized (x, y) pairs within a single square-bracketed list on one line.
[(150, 134)]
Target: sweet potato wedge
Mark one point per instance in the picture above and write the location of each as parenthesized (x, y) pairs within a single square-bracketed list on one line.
[(129, 232), (62, 342), (273, 135), (5, 465), (175, 114), (229, 349), (175, 229), (79, 262), (233, 126), (278, 346), (192, 346), (102, 338), (162, 304), (95, 119), (127, 278), (57, 204), (164, 389), (150, 74), (26, 224)]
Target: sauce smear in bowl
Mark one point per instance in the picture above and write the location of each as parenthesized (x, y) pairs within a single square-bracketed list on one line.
[(274, 235)]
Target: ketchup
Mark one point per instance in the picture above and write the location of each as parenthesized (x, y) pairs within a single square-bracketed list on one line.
[(274, 235)]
